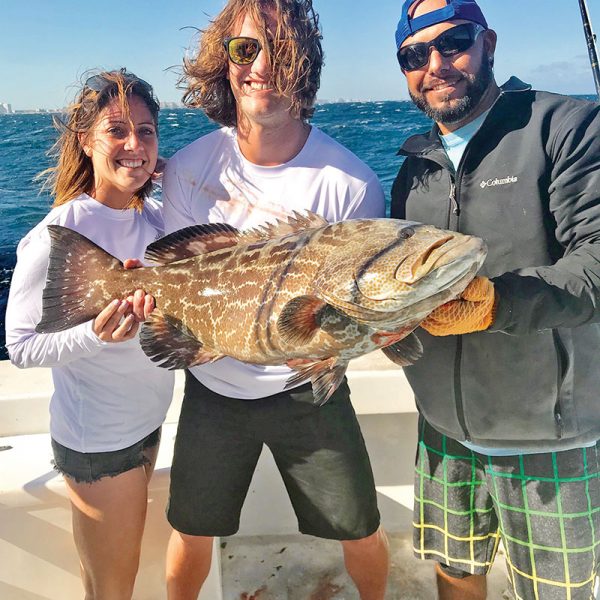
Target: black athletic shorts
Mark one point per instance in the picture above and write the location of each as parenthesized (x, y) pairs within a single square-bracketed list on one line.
[(319, 451)]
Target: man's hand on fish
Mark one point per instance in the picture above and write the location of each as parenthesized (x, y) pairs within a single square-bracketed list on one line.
[(473, 311)]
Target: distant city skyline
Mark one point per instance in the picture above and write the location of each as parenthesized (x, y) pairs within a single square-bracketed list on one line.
[(47, 47), (7, 109)]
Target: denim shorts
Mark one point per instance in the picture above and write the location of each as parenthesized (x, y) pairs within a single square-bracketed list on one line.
[(319, 451), (86, 467)]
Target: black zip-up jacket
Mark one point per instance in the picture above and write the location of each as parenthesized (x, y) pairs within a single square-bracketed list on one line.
[(529, 185)]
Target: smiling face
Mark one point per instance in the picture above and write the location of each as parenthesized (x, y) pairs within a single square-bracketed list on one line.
[(256, 100), (123, 149), (455, 89)]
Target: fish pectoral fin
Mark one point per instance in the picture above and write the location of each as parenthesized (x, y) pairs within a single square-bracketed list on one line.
[(170, 343), (300, 319), (325, 376), (192, 241), (405, 352)]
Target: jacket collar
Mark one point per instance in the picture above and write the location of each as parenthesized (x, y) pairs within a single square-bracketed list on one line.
[(424, 144)]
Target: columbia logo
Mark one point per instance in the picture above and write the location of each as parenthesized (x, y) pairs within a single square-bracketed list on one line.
[(494, 182)]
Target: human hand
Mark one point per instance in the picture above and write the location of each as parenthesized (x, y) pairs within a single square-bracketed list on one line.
[(474, 310), (142, 304), (116, 323)]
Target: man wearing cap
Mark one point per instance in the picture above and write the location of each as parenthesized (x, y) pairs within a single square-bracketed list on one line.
[(508, 388)]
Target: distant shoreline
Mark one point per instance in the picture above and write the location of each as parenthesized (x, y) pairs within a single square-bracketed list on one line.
[(177, 106), (32, 112)]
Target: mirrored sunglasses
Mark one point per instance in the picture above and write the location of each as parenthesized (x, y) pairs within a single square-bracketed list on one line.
[(242, 50), (449, 43)]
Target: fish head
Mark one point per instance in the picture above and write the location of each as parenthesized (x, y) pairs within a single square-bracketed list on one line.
[(401, 271)]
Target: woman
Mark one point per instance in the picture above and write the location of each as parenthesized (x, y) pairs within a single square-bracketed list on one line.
[(109, 400)]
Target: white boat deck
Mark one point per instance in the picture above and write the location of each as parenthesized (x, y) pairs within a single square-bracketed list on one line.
[(266, 560)]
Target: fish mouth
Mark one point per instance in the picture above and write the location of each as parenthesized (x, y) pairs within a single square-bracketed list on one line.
[(442, 253), (435, 289), (421, 307), (459, 249), (449, 270), (425, 261)]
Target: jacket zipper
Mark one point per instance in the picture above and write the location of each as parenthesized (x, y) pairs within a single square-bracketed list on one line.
[(559, 377), (460, 411), (453, 202)]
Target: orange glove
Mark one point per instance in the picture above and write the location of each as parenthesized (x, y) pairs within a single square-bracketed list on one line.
[(474, 310)]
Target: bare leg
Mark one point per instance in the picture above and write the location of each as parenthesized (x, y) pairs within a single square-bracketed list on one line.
[(473, 587), (188, 564), (367, 562), (108, 522)]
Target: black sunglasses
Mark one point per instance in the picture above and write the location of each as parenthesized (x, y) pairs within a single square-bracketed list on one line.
[(242, 50), (98, 83), (451, 42)]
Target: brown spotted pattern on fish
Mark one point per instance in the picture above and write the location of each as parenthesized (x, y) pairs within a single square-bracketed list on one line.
[(301, 289)]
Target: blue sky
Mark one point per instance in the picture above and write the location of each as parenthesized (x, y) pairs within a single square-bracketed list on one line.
[(46, 45)]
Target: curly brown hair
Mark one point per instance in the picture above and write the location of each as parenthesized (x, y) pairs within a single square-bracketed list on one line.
[(73, 173), (295, 57)]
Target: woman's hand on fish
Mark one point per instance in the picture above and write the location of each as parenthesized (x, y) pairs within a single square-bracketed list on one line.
[(142, 303), (116, 323)]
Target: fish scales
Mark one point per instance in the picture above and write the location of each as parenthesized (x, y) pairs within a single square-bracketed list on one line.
[(251, 292), (302, 289)]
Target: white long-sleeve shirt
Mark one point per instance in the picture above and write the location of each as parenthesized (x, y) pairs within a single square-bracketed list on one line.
[(210, 181), (107, 396)]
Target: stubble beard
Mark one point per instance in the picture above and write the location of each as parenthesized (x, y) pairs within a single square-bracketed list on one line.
[(453, 111)]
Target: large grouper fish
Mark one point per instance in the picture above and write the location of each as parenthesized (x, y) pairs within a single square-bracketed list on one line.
[(301, 289)]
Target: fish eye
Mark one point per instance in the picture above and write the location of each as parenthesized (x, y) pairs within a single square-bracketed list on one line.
[(407, 232)]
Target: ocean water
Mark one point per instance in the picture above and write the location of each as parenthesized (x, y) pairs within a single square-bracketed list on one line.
[(372, 130)]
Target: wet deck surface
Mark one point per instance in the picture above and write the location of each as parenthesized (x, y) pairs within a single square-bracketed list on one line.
[(296, 567)]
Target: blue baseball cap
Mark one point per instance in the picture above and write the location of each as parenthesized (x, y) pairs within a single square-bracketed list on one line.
[(467, 10)]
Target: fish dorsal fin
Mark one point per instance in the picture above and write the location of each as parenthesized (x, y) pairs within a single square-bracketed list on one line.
[(294, 223), (192, 241)]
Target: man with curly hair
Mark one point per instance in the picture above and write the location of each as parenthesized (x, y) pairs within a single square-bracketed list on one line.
[(256, 72)]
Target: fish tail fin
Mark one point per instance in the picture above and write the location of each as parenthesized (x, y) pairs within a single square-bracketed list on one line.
[(76, 289)]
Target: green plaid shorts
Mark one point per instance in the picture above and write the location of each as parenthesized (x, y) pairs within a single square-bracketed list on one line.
[(544, 507)]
